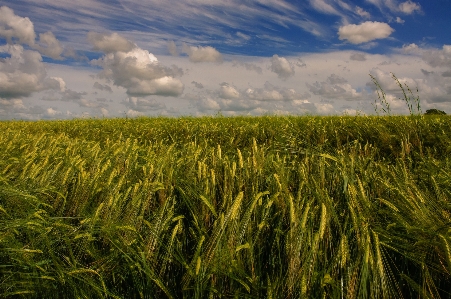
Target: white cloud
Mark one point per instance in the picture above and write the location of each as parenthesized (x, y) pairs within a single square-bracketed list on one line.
[(270, 92), (11, 105), (23, 73), (165, 86), (243, 36), (142, 104), (136, 69), (433, 90), (411, 48), (202, 54), (365, 32), (110, 43), (205, 104), (249, 66), (172, 48), (324, 7), (232, 100), (361, 12), (50, 112), (71, 95), (282, 67), (384, 79), (409, 7), (228, 92), (438, 58), (399, 20), (15, 28), (18, 30), (104, 112), (62, 84), (134, 113), (49, 46), (335, 87)]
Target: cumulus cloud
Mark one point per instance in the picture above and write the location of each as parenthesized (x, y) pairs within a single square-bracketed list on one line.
[(411, 48), (49, 46), (89, 104), (134, 113), (23, 73), (11, 106), (109, 43), (409, 7), (307, 107), (335, 79), (206, 104), (70, 52), (143, 104), (135, 69), (358, 57), (270, 92), (394, 95), (282, 67), (232, 100), (16, 109), (391, 87), (438, 58), (102, 87), (365, 32), (202, 54), (335, 87), (15, 28), (18, 30), (50, 113), (172, 48), (228, 92), (165, 86), (248, 66)]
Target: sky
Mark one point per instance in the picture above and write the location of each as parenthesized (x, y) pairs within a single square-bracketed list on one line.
[(128, 58)]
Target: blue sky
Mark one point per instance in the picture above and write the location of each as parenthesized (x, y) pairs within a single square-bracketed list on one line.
[(66, 59)]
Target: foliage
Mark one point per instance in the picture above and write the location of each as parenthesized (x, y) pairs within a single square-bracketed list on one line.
[(435, 112), (265, 207)]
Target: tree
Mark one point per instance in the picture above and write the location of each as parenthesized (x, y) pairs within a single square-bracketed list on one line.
[(435, 112)]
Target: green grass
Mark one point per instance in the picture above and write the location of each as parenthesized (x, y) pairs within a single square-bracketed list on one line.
[(216, 207)]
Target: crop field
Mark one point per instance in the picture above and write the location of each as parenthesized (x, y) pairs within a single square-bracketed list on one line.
[(218, 207)]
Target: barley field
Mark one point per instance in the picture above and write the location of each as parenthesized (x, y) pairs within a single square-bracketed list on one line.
[(218, 207)]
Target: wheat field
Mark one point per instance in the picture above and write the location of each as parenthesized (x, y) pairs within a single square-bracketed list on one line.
[(218, 207)]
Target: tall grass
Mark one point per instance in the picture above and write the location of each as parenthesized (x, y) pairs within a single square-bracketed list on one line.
[(266, 207)]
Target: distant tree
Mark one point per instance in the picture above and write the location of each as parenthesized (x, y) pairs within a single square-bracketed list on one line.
[(435, 112)]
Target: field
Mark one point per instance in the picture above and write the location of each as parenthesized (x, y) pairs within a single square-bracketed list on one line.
[(217, 207)]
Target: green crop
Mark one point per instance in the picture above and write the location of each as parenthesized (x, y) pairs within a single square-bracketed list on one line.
[(216, 207)]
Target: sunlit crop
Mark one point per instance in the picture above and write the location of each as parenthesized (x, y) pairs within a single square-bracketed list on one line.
[(215, 207)]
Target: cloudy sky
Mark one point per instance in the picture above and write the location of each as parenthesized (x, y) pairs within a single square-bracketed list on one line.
[(115, 58)]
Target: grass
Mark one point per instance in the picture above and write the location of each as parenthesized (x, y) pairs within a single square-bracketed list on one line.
[(215, 207)]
